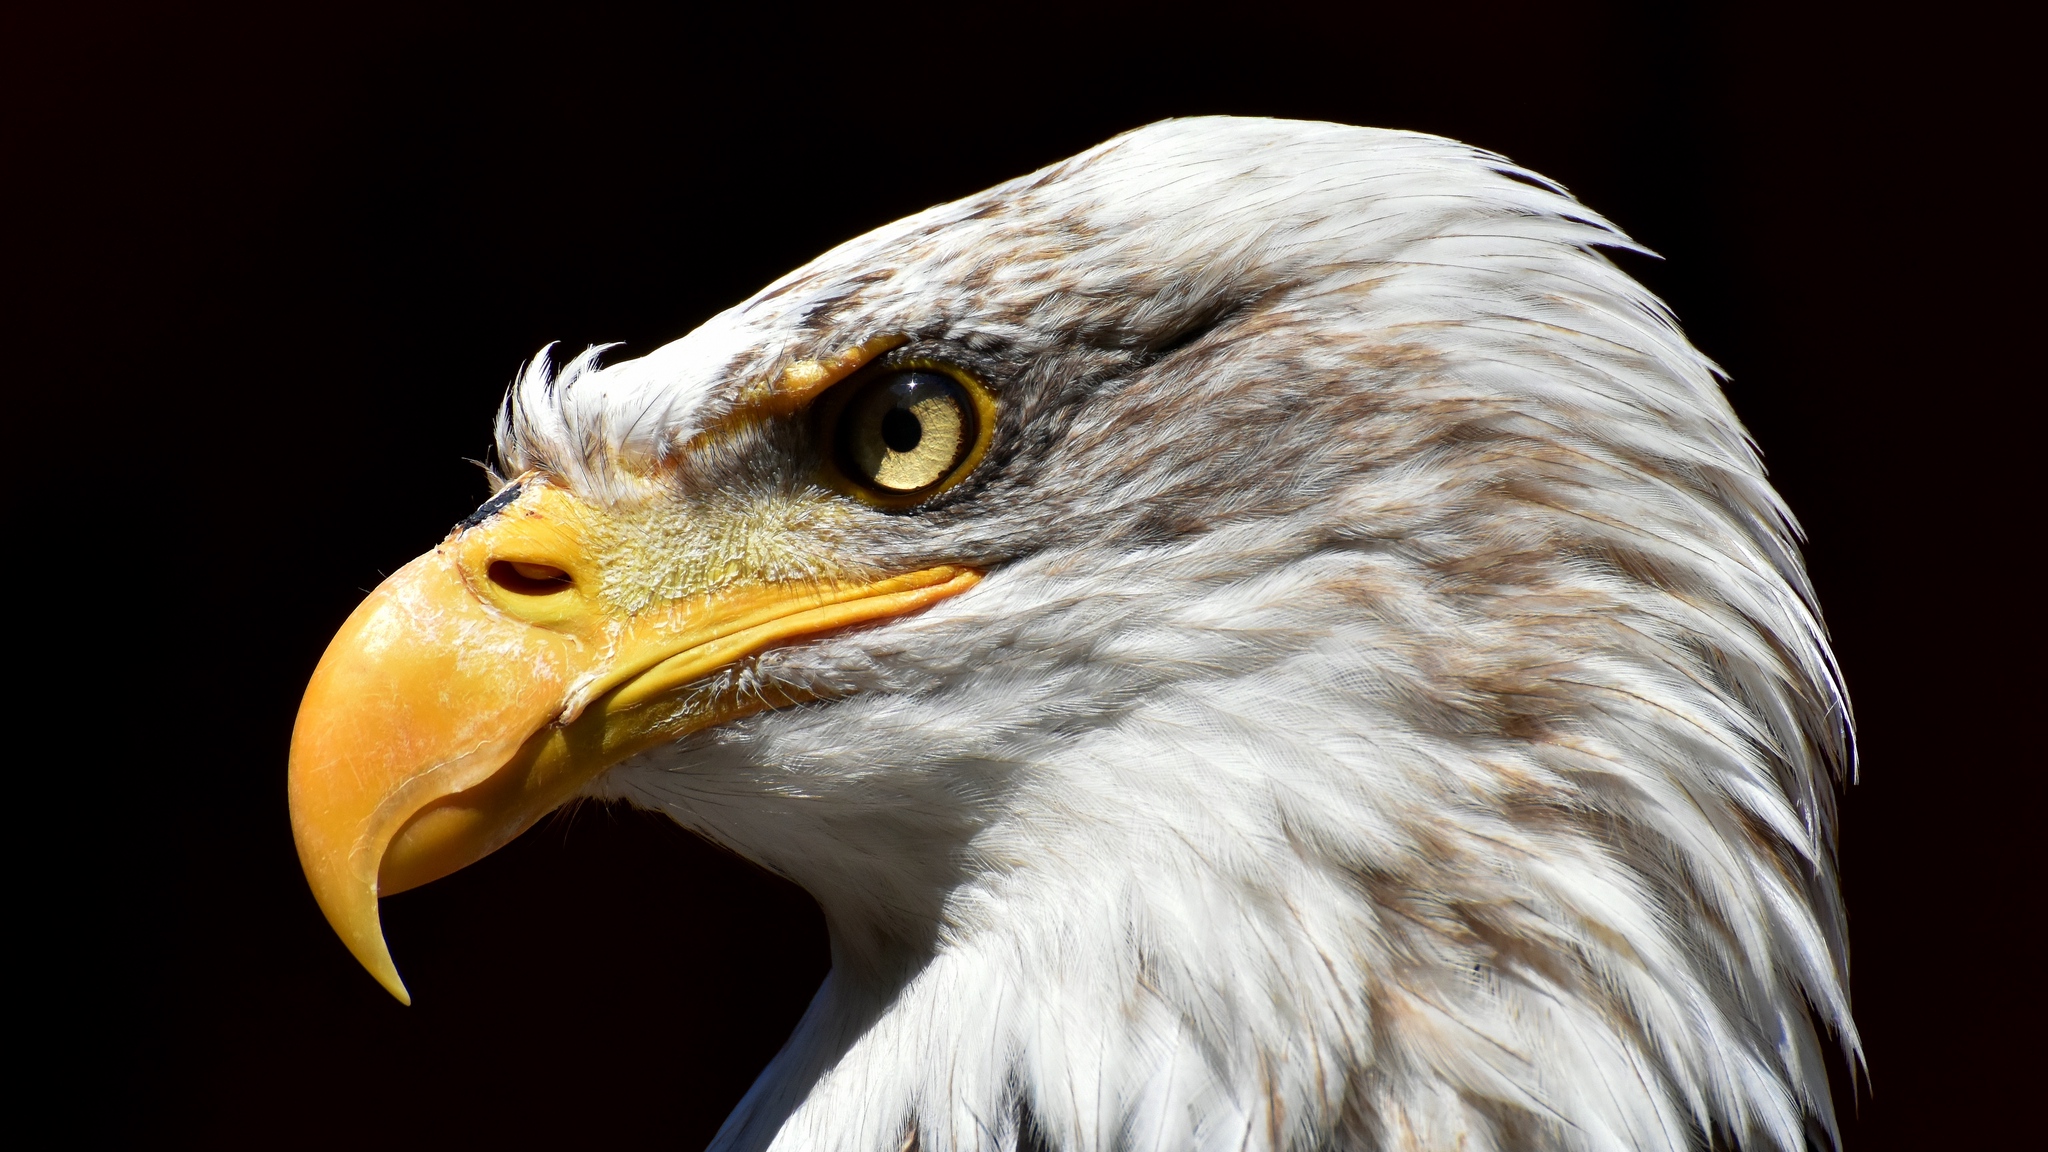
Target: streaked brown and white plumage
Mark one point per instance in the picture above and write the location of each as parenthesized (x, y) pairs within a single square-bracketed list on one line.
[(1395, 715)]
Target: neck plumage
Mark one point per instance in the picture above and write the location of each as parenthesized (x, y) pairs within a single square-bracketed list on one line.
[(1332, 864)]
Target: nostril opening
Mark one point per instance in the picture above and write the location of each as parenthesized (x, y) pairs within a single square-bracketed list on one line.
[(526, 579)]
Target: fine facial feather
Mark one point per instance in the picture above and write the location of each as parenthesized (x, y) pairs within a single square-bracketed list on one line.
[(1395, 716)]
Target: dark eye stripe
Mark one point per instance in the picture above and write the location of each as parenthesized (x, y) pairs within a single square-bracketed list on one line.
[(488, 509)]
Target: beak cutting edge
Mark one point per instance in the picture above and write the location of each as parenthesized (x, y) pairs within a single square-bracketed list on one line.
[(462, 701)]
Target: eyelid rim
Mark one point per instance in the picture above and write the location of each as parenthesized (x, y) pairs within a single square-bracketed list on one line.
[(833, 403)]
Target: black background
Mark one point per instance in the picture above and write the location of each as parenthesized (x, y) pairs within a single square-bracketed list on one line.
[(272, 273)]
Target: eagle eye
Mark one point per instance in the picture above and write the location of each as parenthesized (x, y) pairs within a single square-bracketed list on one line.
[(906, 434)]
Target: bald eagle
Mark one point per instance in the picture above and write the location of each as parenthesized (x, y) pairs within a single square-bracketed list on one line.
[(1256, 636)]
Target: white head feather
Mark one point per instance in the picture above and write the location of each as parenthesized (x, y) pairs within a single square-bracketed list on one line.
[(1395, 717)]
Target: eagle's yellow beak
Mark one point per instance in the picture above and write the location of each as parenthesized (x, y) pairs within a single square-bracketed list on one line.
[(489, 680)]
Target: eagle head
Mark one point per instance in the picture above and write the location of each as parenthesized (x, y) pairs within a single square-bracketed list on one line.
[(1255, 636)]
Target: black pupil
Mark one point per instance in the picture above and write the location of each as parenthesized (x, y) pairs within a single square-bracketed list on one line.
[(901, 430)]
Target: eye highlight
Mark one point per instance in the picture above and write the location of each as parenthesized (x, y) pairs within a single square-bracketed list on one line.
[(908, 433)]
